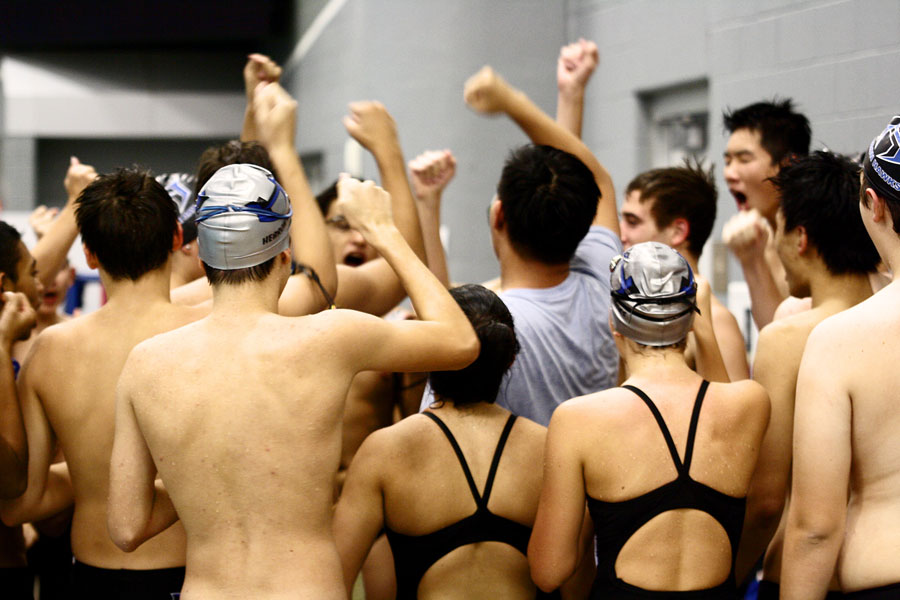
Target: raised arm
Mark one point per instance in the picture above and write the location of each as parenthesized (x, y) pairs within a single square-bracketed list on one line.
[(430, 173), (487, 92), (747, 235), (16, 322), (48, 492), (276, 112), (374, 287), (555, 549), (139, 507), (359, 515), (51, 249), (709, 358), (442, 338), (574, 67), (259, 69), (821, 471), (775, 368)]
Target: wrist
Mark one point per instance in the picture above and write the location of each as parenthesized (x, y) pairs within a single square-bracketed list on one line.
[(382, 236), (571, 94)]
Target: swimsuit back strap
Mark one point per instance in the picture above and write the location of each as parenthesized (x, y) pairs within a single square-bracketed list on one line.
[(459, 454), (692, 431), (496, 461), (659, 421)]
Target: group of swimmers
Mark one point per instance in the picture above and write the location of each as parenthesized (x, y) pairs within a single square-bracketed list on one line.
[(193, 436)]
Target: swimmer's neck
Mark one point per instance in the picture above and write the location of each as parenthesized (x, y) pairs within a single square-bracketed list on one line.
[(247, 297), (517, 272), (149, 287), (653, 363)]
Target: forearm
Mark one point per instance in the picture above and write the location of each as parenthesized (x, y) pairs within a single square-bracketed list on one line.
[(759, 527), (51, 250), (392, 167), (41, 502), (13, 445), (311, 245), (764, 293), (430, 220), (541, 129), (428, 295), (709, 359), (808, 565), (248, 128), (569, 111)]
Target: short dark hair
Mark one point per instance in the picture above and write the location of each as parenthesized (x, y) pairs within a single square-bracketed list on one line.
[(783, 131), (819, 192), (685, 192), (238, 276), (128, 221), (326, 197), (229, 153), (493, 324), (549, 200), (9, 251)]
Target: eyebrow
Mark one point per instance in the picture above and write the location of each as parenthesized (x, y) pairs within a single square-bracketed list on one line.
[(738, 153)]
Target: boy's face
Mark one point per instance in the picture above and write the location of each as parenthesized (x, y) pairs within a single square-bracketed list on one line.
[(349, 246), (748, 166), (26, 278), (637, 224)]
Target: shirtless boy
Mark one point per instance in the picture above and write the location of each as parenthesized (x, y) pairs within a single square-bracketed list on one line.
[(763, 137), (677, 207), (847, 426), (248, 448), (826, 253)]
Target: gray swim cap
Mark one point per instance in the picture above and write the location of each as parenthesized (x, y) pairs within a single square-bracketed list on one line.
[(243, 217), (653, 294)]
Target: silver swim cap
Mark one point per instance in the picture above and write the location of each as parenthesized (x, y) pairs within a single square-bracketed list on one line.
[(243, 217), (653, 294)]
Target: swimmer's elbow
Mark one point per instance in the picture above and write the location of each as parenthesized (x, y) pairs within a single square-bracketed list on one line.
[(124, 534), (548, 572)]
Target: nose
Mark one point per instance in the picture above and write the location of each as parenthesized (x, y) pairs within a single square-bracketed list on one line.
[(357, 238), (730, 172)]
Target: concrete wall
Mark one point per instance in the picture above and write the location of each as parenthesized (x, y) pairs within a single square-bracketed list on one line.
[(838, 59), (414, 57)]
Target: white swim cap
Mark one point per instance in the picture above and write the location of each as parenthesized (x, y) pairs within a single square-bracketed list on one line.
[(243, 217), (653, 294)]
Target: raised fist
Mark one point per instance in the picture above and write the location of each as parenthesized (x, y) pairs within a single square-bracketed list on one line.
[(17, 317), (486, 92), (275, 114), (78, 177), (259, 69), (41, 219), (575, 65), (370, 124), (430, 173), (365, 205), (746, 235)]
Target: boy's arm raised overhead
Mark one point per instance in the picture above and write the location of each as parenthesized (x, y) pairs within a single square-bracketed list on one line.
[(487, 92)]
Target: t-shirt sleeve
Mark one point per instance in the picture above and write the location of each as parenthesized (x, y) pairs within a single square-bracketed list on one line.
[(595, 252)]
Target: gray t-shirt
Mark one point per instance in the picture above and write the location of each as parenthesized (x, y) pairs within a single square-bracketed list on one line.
[(567, 349)]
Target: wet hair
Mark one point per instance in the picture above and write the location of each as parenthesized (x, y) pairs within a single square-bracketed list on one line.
[(686, 192), (493, 324), (229, 153), (819, 192), (326, 197), (255, 273), (9, 251), (782, 131), (128, 221), (549, 200)]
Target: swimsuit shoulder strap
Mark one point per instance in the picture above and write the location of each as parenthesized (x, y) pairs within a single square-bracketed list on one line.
[(459, 453), (692, 432), (496, 461), (660, 422)]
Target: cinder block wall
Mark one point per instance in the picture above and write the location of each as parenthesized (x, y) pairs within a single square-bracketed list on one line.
[(838, 59)]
